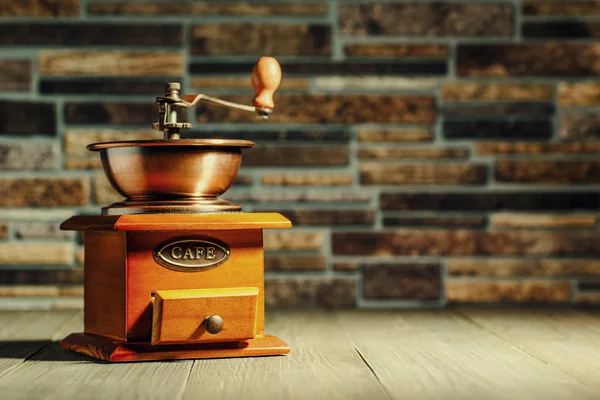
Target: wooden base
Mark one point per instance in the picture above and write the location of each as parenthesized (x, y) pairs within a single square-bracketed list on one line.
[(118, 351)]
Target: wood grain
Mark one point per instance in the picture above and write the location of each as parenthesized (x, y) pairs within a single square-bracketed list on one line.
[(244, 268), (117, 351), (54, 374), (266, 77), (322, 365), (567, 340), (104, 281), (178, 315), (22, 334), (470, 354), (176, 222), (432, 355)]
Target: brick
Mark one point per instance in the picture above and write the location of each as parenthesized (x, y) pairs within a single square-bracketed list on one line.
[(310, 292), (297, 196), (41, 291), (498, 109), (458, 291), (39, 8), (540, 59), (593, 285), (205, 8), (339, 84), (352, 67), (560, 30), (33, 214), (330, 217), (384, 153), (579, 94), (263, 133), (512, 220), (43, 192), (27, 118), (79, 256), (37, 253), (105, 86), (98, 113), (3, 231), (15, 75), (436, 221), (71, 291), (41, 230), (229, 82), (496, 91), (67, 303), (579, 126), (466, 242), (556, 171), (347, 266), (29, 291), (507, 267), (276, 262), (492, 200), (75, 140), (308, 179), (277, 39), (518, 148), (110, 63), (402, 281), (292, 240), (371, 135), (70, 33), (586, 299), (560, 8), (41, 276), (434, 19), (422, 174), (25, 155), (290, 156), (73, 163), (332, 109), (476, 129), (102, 192), (396, 50), (243, 180)]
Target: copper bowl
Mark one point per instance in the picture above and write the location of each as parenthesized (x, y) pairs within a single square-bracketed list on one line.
[(181, 176)]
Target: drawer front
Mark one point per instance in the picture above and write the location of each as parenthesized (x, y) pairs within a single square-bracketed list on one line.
[(182, 316)]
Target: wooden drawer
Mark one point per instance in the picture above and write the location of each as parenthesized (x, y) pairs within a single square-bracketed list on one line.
[(180, 316)]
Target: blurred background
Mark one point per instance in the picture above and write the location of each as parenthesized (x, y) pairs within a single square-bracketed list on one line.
[(428, 153)]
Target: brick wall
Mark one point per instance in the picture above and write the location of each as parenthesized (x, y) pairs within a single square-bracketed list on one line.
[(427, 153)]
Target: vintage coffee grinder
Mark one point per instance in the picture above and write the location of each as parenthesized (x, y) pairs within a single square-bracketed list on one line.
[(173, 271)]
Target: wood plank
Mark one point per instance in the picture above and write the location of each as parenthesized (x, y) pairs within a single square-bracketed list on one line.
[(54, 373), (320, 366), (24, 333), (439, 354), (567, 340)]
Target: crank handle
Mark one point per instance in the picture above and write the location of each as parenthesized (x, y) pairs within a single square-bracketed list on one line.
[(266, 77)]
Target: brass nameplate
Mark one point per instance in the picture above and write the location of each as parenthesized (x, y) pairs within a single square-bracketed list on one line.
[(192, 254)]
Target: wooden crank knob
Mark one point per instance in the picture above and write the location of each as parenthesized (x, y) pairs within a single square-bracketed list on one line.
[(266, 77)]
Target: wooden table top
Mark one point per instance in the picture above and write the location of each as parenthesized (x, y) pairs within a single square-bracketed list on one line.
[(449, 354)]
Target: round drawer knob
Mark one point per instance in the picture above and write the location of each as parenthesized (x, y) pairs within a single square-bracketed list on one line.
[(214, 324)]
